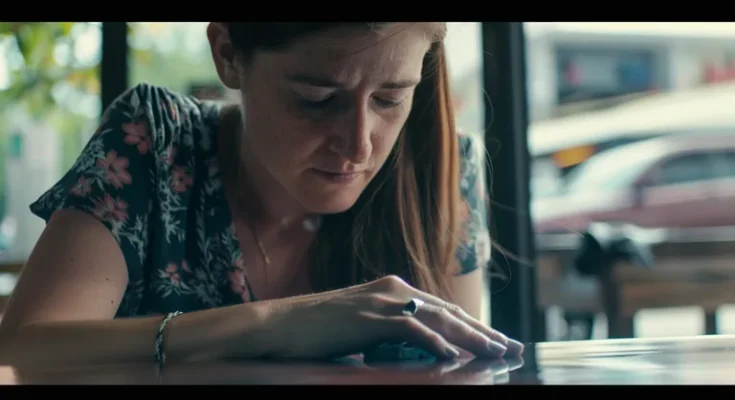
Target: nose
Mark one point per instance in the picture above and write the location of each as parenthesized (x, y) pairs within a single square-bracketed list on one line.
[(353, 137)]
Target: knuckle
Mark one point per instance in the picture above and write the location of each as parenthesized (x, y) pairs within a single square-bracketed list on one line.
[(475, 335), (445, 314), (497, 336), (443, 318), (393, 282), (453, 308)]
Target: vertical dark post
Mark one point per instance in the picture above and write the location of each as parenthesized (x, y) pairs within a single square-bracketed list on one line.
[(514, 308), (114, 64)]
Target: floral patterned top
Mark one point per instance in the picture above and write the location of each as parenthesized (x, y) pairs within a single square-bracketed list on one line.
[(150, 174)]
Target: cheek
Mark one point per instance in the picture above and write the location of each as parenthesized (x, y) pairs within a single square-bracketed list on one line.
[(385, 139), (282, 140)]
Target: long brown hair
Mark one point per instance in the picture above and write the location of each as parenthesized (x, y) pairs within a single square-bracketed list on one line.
[(406, 221)]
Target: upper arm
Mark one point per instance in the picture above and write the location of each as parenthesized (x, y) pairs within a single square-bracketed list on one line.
[(474, 250), (95, 240)]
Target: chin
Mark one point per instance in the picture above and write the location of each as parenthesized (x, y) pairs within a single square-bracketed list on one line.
[(321, 196), (329, 202)]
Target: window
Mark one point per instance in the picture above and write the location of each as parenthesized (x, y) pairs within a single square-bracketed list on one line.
[(728, 164), (584, 74), (175, 55), (49, 89), (610, 170), (609, 84), (686, 169), (464, 58)]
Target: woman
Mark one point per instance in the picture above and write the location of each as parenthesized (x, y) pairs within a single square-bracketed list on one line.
[(299, 224)]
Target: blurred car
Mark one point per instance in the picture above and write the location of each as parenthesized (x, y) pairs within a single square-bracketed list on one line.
[(666, 182)]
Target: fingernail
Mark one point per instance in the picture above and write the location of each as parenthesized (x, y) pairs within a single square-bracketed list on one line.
[(515, 346), (496, 348), (451, 352)]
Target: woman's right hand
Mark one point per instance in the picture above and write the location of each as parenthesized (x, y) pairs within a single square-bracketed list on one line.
[(351, 320)]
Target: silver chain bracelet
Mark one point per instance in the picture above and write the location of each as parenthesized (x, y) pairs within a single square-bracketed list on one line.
[(160, 353)]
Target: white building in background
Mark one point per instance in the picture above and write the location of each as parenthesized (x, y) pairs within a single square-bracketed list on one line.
[(593, 86), (31, 168), (572, 62)]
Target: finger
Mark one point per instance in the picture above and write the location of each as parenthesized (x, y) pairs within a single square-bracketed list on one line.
[(412, 330), (459, 332), (396, 286), (514, 347)]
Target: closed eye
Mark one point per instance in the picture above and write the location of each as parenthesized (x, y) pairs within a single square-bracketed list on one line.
[(329, 101), (385, 103), (316, 104)]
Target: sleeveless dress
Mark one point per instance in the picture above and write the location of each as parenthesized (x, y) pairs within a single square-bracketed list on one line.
[(151, 175)]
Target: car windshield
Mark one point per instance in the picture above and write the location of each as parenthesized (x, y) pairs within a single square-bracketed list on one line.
[(612, 169)]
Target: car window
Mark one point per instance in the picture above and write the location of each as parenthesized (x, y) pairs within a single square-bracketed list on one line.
[(605, 171), (729, 164), (687, 168)]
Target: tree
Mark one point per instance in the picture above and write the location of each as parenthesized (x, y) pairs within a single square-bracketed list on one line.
[(51, 73)]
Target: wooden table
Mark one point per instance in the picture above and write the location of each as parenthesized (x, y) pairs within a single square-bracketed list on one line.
[(696, 360), (693, 267)]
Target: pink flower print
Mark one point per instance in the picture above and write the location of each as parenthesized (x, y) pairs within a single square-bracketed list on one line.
[(180, 180), (137, 135), (170, 155), (110, 210), (115, 169), (239, 263), (172, 273), (81, 188), (174, 112), (238, 284)]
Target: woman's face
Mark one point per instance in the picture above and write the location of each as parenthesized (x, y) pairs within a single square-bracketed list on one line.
[(322, 116)]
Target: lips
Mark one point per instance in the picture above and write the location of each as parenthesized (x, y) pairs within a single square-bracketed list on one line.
[(338, 177), (339, 172)]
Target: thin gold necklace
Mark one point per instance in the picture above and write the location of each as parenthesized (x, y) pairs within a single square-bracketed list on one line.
[(260, 245), (239, 198), (253, 231)]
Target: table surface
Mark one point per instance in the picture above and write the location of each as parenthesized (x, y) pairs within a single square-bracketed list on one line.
[(690, 360)]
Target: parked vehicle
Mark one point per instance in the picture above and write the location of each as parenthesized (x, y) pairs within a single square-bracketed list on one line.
[(666, 182)]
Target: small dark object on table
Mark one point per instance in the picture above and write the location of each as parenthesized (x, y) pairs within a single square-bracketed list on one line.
[(398, 353)]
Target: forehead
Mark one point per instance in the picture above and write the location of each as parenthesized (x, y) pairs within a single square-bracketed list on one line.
[(347, 53)]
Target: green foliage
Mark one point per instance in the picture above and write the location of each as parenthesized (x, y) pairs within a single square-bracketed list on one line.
[(40, 58), (54, 66)]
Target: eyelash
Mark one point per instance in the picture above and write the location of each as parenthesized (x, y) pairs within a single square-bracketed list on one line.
[(321, 104)]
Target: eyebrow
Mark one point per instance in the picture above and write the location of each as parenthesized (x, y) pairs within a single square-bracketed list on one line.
[(328, 83)]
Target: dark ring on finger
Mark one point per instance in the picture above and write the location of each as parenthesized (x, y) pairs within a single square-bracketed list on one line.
[(412, 307)]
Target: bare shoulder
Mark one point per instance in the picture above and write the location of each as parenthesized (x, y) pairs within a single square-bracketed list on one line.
[(78, 267), (96, 238)]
